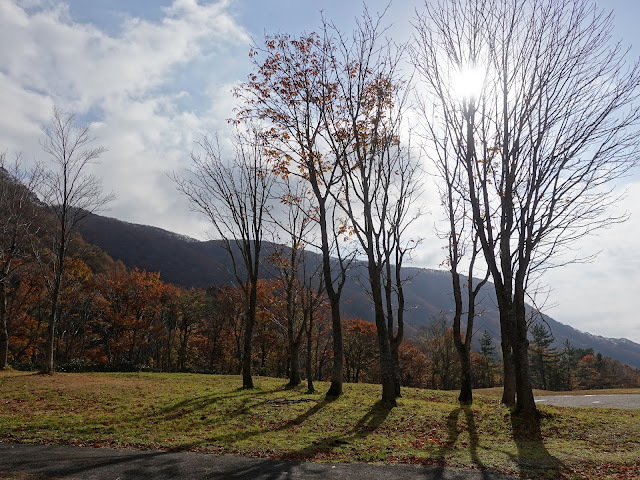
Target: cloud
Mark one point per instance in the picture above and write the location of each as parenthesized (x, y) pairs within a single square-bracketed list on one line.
[(79, 62), (601, 297), (135, 86), (153, 85)]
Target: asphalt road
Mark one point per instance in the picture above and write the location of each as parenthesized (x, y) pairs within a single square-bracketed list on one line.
[(628, 401), (70, 462)]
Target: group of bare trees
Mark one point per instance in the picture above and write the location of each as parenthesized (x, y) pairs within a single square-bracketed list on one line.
[(527, 157), (16, 224), (40, 207), (530, 157), (326, 112)]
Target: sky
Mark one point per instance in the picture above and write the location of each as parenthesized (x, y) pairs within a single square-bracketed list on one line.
[(152, 76)]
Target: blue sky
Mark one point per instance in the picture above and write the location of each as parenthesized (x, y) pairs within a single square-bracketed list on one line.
[(154, 75)]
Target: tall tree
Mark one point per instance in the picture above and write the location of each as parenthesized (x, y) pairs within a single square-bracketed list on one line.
[(289, 261), (463, 345), (550, 126), (380, 179), (18, 214), (313, 301), (463, 246), (542, 356), (70, 193), (292, 88), (234, 194)]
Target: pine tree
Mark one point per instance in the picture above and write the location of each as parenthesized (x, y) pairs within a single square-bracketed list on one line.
[(488, 351), (543, 359)]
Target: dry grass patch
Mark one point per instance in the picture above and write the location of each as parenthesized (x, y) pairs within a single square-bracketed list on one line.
[(211, 413)]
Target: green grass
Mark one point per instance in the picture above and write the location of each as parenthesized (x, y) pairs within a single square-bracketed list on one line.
[(212, 414)]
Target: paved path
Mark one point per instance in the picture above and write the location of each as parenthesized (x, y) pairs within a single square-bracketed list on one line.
[(629, 401), (86, 463)]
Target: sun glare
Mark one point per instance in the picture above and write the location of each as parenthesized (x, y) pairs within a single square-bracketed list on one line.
[(468, 82)]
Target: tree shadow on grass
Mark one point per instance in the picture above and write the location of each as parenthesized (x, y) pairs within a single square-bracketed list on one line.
[(238, 436), (306, 415), (453, 432), (195, 405), (193, 408), (371, 420), (533, 458)]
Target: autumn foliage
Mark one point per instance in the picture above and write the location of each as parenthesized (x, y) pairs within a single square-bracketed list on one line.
[(119, 319)]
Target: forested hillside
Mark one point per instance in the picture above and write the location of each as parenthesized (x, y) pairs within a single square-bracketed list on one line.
[(137, 297), (191, 263)]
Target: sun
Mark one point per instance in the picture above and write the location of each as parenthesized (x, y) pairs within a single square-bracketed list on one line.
[(467, 83)]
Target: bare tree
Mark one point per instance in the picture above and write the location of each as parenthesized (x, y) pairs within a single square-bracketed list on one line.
[(289, 261), (541, 141), (300, 273), (313, 299), (380, 179), (18, 213), (70, 193), (461, 243), (234, 194), (291, 89), (326, 98), (463, 251)]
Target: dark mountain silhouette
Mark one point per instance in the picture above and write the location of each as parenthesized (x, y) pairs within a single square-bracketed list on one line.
[(189, 262)]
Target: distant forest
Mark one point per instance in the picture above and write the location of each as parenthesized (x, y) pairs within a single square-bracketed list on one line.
[(119, 319)]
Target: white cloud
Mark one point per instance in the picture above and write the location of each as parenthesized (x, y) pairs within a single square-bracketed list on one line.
[(601, 297), (81, 63), (153, 87), (23, 113), (135, 80)]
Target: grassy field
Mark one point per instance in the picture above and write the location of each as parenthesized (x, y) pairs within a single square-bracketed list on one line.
[(211, 414)]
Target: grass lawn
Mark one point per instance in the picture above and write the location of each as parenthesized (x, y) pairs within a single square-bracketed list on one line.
[(211, 413)]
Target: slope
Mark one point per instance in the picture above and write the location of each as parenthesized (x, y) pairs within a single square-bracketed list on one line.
[(188, 262)]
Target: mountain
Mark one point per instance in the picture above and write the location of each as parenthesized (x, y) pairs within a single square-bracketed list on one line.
[(189, 262), (180, 259)]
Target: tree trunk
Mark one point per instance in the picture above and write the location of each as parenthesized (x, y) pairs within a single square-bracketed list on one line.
[(337, 373), (250, 319), (525, 405), (247, 381), (466, 392), (4, 332), (509, 375), (59, 268), (509, 389), (49, 367), (395, 363), (294, 371), (335, 389), (386, 372), (388, 387), (386, 363), (337, 370), (309, 362)]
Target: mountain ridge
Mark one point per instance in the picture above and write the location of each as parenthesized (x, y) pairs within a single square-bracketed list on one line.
[(194, 263)]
